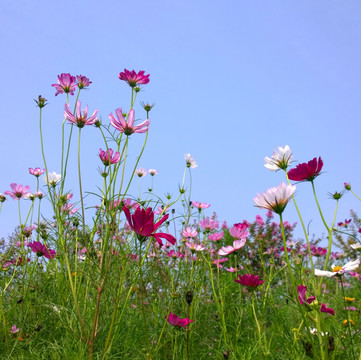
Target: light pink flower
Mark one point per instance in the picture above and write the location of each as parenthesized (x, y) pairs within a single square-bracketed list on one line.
[(226, 250), (189, 232), (216, 236), (200, 205), (190, 162), (209, 224), (238, 231), (78, 119), (133, 78), (14, 329), (18, 191), (66, 84), (107, 157), (36, 172), (195, 247), (153, 172), (141, 172), (128, 127)]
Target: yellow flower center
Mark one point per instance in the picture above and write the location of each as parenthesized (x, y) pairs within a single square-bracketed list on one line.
[(337, 269)]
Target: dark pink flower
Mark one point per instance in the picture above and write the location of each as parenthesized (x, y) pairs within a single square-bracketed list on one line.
[(83, 81), (133, 78), (66, 84), (78, 119), (173, 319), (41, 250), (249, 280), (142, 223), (107, 157), (127, 127), (327, 310), (36, 172), (18, 191), (302, 295), (306, 171)]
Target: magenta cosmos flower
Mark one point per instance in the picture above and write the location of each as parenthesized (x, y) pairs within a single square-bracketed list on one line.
[(41, 250), (107, 157), (36, 172), (83, 81), (125, 127), (66, 84), (173, 319), (18, 191), (276, 198), (78, 119), (133, 78), (306, 171), (142, 223), (302, 295), (226, 250), (249, 280)]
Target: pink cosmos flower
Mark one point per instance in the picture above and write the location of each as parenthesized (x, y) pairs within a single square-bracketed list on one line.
[(200, 206), (218, 262), (173, 319), (232, 269), (66, 84), (195, 247), (238, 231), (174, 254), (78, 119), (327, 310), (142, 223), (125, 127), (18, 191), (83, 81), (14, 329), (226, 250), (216, 236), (249, 280), (133, 78), (68, 209), (28, 230), (209, 224), (41, 250), (107, 157), (275, 198), (306, 171), (36, 172), (190, 162), (153, 172), (189, 232), (141, 172), (302, 295), (161, 210)]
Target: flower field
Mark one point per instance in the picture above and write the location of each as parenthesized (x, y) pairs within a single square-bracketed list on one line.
[(118, 275)]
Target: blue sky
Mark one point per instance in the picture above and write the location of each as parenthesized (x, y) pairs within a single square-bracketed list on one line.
[(231, 81)]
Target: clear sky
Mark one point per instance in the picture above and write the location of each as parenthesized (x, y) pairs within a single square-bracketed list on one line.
[(231, 81)]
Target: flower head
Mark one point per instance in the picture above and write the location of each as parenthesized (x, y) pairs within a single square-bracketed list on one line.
[(83, 81), (18, 191), (209, 224), (153, 172), (189, 232), (195, 247), (173, 319), (327, 310), (141, 172), (107, 157), (14, 329), (238, 231), (66, 84), (226, 250), (347, 186), (306, 171), (36, 172), (78, 119), (190, 162), (200, 206), (52, 178), (339, 270), (302, 295), (142, 223), (41, 250), (249, 280), (276, 198), (128, 127), (133, 78), (280, 159)]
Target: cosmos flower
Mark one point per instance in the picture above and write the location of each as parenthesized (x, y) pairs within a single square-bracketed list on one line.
[(153, 172), (66, 84), (52, 178), (200, 206), (209, 224), (302, 295), (173, 319), (141, 172), (226, 250), (133, 78), (107, 157), (14, 329), (249, 280), (190, 162), (142, 223), (280, 159), (216, 236), (41, 250), (338, 270), (83, 81), (327, 310), (18, 191), (238, 231), (276, 198), (306, 171), (189, 232), (128, 127), (194, 247), (36, 172), (78, 119)]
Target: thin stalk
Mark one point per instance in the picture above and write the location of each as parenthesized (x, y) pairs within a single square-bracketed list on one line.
[(80, 187)]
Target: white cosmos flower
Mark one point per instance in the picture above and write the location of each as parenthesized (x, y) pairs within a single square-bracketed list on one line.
[(276, 198), (338, 270), (52, 178), (190, 161), (280, 159), (356, 246)]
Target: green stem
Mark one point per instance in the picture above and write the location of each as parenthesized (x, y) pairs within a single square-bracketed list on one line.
[(80, 187)]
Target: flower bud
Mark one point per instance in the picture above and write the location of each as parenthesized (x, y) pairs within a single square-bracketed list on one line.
[(189, 297), (41, 102)]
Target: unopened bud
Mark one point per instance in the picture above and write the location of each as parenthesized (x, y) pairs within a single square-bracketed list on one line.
[(189, 297)]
